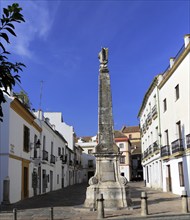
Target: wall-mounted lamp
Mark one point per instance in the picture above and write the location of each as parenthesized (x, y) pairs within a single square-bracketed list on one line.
[(38, 143)]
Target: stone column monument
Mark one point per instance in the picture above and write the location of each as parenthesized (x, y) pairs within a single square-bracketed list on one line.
[(107, 179)]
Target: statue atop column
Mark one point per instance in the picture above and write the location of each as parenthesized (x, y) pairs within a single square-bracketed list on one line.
[(103, 57)]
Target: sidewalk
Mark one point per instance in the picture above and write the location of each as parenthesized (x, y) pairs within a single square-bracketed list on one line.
[(68, 204)]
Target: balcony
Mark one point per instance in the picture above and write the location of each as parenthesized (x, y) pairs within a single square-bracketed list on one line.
[(144, 128), (52, 159), (64, 159), (177, 146), (44, 155), (145, 154), (150, 150), (188, 140), (165, 151), (155, 146), (35, 153), (154, 112), (149, 118)]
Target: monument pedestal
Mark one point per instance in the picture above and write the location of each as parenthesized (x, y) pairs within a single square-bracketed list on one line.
[(107, 181)]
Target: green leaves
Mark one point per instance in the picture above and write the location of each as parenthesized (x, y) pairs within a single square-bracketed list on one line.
[(10, 15)]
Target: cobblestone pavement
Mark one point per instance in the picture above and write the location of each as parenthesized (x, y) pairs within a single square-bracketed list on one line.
[(68, 204)]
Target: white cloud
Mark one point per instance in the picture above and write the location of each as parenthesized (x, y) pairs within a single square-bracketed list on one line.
[(39, 17)]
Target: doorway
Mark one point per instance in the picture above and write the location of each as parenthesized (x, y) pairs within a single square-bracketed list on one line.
[(169, 179), (25, 179)]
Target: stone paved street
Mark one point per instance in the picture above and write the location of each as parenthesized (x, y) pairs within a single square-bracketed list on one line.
[(68, 204)]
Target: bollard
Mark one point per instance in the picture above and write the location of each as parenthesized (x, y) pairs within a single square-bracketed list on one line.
[(14, 214), (51, 213), (100, 207), (144, 206), (184, 202)]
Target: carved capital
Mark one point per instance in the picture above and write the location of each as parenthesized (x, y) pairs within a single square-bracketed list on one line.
[(123, 180), (93, 180)]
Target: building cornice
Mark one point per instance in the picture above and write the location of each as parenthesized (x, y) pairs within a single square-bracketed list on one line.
[(18, 107), (174, 67), (149, 91)]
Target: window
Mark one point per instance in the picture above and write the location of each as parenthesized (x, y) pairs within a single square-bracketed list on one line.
[(57, 179), (90, 151), (121, 145), (26, 139), (35, 150), (44, 142), (122, 159), (178, 124), (155, 100), (147, 174), (166, 137), (90, 163), (59, 151), (52, 147), (181, 176), (165, 105), (177, 92)]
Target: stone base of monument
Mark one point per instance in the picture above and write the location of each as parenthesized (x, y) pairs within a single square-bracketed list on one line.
[(107, 181)]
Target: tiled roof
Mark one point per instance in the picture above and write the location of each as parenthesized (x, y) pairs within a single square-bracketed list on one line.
[(86, 138), (119, 134), (136, 151), (130, 129)]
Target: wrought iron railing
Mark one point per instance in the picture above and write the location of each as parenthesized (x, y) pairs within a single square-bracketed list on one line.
[(165, 151), (44, 155), (154, 111), (155, 146), (177, 146), (188, 140), (52, 159)]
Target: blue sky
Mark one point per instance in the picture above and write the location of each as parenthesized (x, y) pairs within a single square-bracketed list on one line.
[(60, 41)]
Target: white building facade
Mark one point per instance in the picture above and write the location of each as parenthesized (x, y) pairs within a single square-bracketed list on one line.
[(150, 136), (169, 167), (34, 155)]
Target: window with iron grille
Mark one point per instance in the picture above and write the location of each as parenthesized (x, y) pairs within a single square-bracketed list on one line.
[(121, 145), (181, 175), (26, 139), (122, 159), (177, 92), (164, 105)]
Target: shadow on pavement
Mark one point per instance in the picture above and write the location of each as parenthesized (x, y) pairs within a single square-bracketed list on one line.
[(69, 196)]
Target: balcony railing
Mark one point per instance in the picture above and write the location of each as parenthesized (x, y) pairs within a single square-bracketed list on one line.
[(44, 155), (144, 127), (154, 111), (165, 151), (149, 118), (150, 149), (35, 153), (145, 154), (177, 146), (63, 158), (188, 140), (52, 159), (155, 146), (91, 165)]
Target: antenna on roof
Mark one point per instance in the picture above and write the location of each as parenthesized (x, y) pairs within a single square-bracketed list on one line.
[(41, 88)]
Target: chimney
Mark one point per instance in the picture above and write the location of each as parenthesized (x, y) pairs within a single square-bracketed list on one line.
[(40, 114), (171, 62), (187, 39)]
